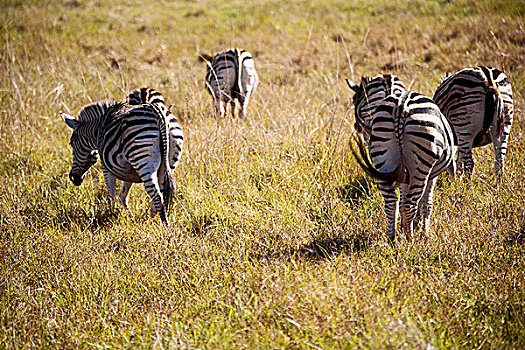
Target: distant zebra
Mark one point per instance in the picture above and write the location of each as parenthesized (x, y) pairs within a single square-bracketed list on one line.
[(411, 143), (478, 103), (369, 94), (132, 142), (231, 76)]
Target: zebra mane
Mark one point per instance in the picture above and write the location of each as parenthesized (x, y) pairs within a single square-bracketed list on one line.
[(444, 76), (95, 110)]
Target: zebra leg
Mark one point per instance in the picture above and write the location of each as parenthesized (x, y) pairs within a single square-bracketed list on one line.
[(465, 154), (111, 185), (409, 203), (459, 163), (455, 165), (388, 191), (123, 194), (218, 105), (243, 105), (148, 170), (151, 184), (500, 147), (222, 108), (426, 204), (233, 107)]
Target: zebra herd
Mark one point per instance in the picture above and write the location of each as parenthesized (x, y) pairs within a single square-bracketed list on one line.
[(407, 139)]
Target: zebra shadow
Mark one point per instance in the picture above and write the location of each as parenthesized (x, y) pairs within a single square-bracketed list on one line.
[(325, 247), (516, 237), (102, 216), (360, 188), (321, 248)]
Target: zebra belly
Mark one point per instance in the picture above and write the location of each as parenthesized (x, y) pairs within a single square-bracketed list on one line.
[(134, 155), (121, 169)]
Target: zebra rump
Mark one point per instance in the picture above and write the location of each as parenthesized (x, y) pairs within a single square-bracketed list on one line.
[(176, 136), (478, 102), (230, 76), (411, 143)]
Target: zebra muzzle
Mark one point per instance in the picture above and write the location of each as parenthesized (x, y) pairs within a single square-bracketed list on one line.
[(75, 179)]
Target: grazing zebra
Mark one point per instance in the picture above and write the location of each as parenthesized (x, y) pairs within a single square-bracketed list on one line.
[(478, 103), (411, 143), (231, 76), (133, 145), (369, 94)]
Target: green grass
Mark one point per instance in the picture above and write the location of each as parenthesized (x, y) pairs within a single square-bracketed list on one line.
[(276, 239)]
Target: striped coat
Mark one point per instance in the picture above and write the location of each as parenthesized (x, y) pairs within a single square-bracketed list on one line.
[(176, 136), (411, 143), (132, 143), (478, 103), (230, 77)]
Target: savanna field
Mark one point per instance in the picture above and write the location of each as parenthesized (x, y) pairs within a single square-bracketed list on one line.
[(277, 238)]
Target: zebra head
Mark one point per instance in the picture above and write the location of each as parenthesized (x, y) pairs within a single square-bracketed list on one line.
[(358, 100), (369, 94), (85, 136)]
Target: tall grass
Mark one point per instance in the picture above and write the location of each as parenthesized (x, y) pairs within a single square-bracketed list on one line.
[(276, 239)]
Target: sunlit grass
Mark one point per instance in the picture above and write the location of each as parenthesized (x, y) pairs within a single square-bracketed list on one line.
[(276, 239)]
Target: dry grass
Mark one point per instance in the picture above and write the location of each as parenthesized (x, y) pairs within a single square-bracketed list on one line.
[(276, 240)]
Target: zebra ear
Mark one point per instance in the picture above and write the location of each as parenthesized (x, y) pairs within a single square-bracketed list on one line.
[(352, 85), (364, 81), (70, 121), (204, 57)]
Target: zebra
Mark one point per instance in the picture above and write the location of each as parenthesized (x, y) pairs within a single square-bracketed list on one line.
[(230, 76), (478, 103), (411, 143), (132, 143), (369, 94)]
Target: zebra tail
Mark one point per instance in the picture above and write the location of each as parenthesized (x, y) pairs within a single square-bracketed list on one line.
[(364, 161), (240, 61), (168, 193), (169, 186), (493, 108)]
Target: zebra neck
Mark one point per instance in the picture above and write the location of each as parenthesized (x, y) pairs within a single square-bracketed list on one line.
[(101, 124)]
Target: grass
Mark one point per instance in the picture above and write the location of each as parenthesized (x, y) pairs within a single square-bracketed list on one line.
[(276, 239)]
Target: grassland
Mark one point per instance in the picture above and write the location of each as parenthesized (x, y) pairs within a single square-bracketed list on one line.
[(276, 239)]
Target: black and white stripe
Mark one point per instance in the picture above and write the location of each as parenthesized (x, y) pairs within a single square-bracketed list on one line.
[(231, 76), (146, 95), (176, 136), (478, 103), (369, 94), (132, 142), (411, 143)]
